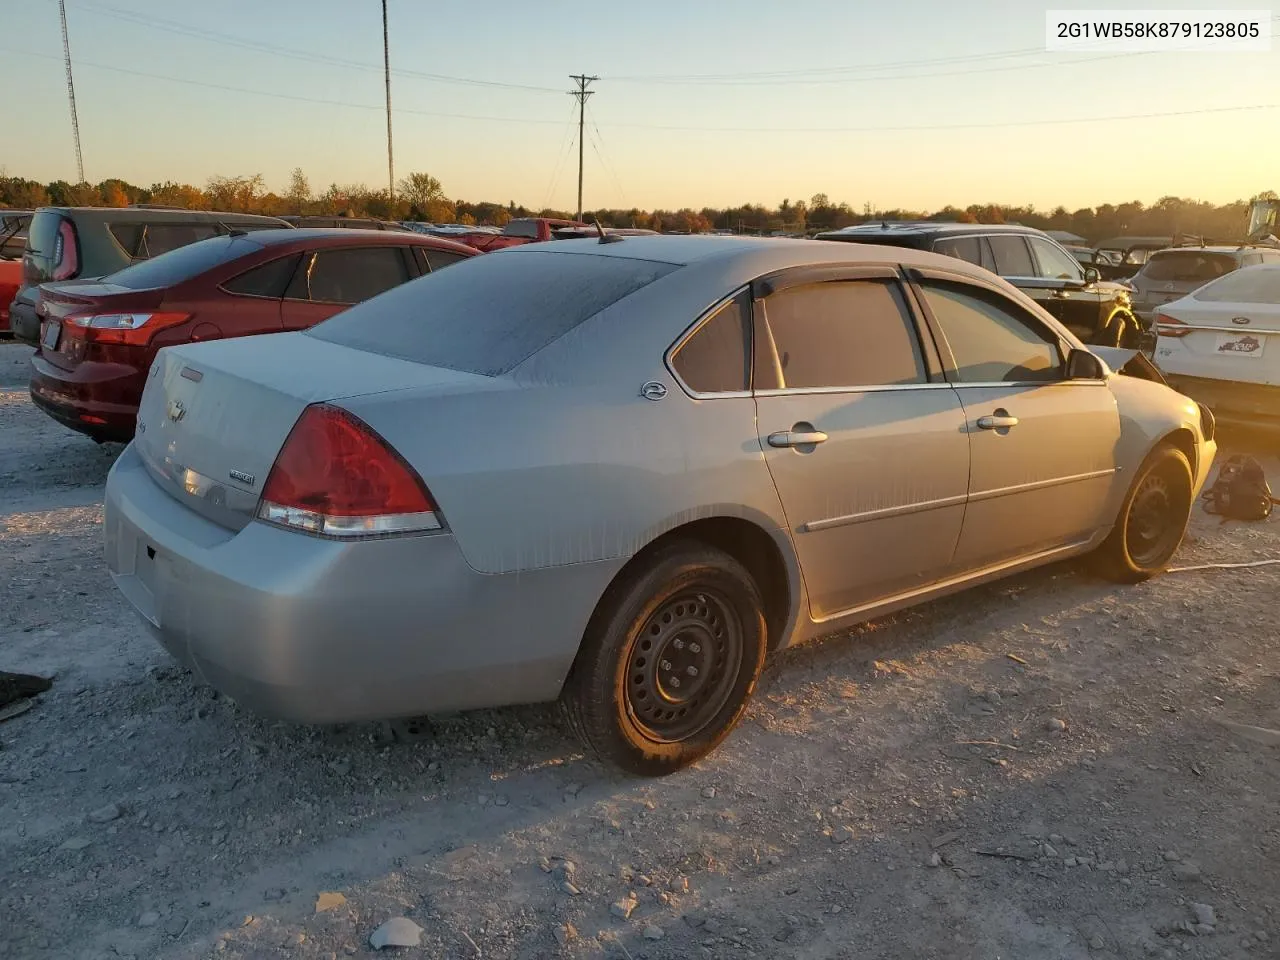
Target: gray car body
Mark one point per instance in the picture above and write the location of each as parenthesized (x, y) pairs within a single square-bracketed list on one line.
[(553, 477)]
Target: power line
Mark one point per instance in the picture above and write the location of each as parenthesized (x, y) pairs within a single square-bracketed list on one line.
[(597, 142), (566, 144), (581, 95), (71, 90), (212, 36), (386, 63)]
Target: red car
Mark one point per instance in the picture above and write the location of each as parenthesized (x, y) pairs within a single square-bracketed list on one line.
[(516, 232), (99, 337)]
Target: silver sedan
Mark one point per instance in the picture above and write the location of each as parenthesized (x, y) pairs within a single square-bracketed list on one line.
[(620, 473)]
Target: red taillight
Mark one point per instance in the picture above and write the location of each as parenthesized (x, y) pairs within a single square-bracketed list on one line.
[(336, 477), (1167, 326), (131, 328), (66, 259)]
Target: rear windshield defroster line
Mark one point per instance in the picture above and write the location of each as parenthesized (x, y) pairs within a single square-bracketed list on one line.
[(488, 314)]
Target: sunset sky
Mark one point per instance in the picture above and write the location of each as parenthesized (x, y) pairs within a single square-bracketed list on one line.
[(911, 104)]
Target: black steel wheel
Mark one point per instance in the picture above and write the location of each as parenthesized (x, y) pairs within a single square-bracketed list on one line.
[(669, 659), (1152, 519)]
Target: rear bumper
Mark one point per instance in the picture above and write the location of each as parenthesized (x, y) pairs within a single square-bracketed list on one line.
[(1232, 401), (23, 322), (98, 399), (322, 631)]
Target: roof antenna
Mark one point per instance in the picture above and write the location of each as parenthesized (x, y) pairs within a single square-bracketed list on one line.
[(606, 237)]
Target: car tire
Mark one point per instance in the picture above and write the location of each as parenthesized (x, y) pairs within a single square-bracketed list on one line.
[(1152, 519), (669, 660)]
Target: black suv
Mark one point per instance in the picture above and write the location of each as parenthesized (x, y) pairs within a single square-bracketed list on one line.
[(1096, 311)]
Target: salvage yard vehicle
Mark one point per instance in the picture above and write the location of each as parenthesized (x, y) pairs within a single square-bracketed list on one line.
[(69, 243), (1221, 344), (1173, 273), (98, 339), (518, 232), (621, 473), (1095, 310)]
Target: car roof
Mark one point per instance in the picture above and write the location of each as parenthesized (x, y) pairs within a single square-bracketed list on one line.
[(154, 215), (762, 253), (921, 227), (344, 236)]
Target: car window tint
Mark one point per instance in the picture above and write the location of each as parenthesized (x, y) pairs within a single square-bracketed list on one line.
[(992, 339), (1013, 259), (965, 248), (490, 313), (356, 274), (521, 228), (163, 237), (267, 280), (1254, 285), (1188, 266), (715, 359), (440, 258), (128, 235), (183, 263), (1053, 262), (844, 334)]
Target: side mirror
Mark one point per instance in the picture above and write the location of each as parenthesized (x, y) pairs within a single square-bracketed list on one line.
[(1091, 275), (1083, 365)]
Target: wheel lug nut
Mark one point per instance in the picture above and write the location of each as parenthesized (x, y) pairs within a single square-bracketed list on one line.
[(675, 681), (678, 644), (665, 664), (695, 648), (692, 671)]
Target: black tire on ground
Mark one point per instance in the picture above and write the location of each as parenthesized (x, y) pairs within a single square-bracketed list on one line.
[(1152, 519), (669, 660)]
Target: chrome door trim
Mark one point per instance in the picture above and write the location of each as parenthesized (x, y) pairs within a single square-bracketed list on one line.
[(940, 585), (813, 526), (874, 388), (1241, 329), (1041, 484)]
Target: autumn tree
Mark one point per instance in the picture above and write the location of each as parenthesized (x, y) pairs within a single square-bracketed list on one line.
[(299, 193), (421, 190), (182, 195), (235, 194)]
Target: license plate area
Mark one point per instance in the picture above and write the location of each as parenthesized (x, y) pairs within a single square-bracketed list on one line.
[(1242, 345), (51, 335)]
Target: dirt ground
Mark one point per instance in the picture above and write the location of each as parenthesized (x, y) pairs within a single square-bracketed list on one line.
[(1040, 769)]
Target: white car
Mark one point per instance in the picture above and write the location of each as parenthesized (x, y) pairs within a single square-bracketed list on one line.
[(1221, 344)]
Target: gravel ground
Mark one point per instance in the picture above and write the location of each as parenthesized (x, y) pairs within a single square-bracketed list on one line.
[(1040, 769)]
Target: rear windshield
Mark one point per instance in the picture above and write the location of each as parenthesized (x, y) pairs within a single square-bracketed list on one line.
[(487, 314), (183, 263), (1188, 266), (42, 242), (1250, 285)]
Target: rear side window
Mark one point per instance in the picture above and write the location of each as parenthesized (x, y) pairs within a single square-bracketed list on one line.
[(128, 235), (1013, 259), (963, 248), (1188, 266), (716, 358), (490, 313), (182, 264), (844, 334), (352, 275), (436, 259), (270, 279), (991, 339)]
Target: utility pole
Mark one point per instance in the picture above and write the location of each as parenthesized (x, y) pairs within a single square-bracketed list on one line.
[(71, 89), (386, 64), (581, 94)]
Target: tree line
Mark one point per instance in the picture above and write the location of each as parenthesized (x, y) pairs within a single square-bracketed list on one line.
[(420, 196)]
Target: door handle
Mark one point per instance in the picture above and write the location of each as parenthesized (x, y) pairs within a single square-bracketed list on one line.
[(1060, 294), (997, 421), (796, 438)]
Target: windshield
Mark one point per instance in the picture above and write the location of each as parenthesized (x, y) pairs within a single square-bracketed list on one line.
[(183, 263), (487, 314), (1259, 284), (1188, 266)]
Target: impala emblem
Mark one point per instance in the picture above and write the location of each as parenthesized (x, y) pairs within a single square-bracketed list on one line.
[(176, 410), (1240, 320), (653, 390)]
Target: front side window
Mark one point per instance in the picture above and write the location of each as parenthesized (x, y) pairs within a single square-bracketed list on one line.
[(846, 333), (992, 339), (350, 275), (1052, 262), (1013, 259), (436, 259), (716, 359)]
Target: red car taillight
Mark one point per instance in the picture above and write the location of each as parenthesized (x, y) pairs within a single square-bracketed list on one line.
[(135, 329), (1167, 326), (336, 477), (66, 259)]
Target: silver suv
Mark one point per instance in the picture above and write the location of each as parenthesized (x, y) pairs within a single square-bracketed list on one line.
[(1173, 273)]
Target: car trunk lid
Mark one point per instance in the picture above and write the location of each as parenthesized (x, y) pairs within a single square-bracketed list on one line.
[(1227, 341), (215, 415), (62, 344)]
